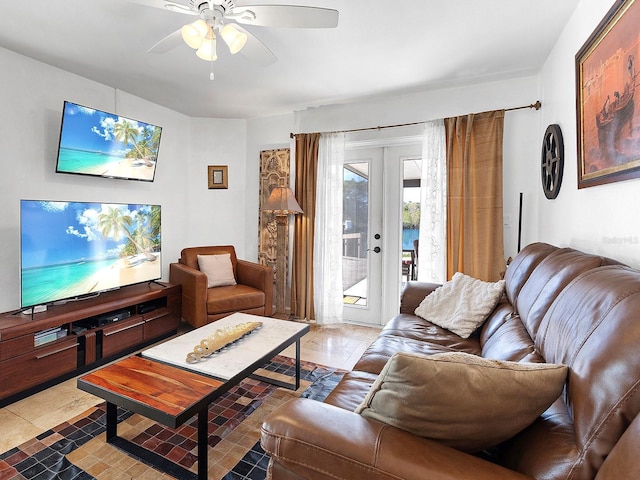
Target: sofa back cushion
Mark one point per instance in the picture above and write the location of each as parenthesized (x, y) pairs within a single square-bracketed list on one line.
[(503, 336), (520, 268), (548, 279), (592, 328), (533, 281)]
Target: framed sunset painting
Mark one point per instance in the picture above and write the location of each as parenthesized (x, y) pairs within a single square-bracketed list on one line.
[(608, 114)]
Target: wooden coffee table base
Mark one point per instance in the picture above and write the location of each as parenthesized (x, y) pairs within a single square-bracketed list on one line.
[(172, 395), (160, 392), (158, 461)]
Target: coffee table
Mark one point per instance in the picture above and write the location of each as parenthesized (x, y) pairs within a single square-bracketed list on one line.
[(159, 383)]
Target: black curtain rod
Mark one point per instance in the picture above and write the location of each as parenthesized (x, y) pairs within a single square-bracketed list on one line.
[(536, 106)]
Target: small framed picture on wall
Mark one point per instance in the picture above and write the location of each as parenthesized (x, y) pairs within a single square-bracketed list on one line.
[(218, 176)]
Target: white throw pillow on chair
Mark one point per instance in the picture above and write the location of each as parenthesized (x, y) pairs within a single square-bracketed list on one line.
[(218, 269)]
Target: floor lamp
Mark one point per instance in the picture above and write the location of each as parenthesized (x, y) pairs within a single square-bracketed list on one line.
[(281, 203)]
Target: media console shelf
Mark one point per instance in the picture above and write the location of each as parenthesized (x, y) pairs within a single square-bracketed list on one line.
[(37, 351)]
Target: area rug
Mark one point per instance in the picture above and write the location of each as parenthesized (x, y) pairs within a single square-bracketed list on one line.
[(77, 450)]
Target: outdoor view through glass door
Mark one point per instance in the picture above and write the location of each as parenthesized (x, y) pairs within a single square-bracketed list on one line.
[(355, 233), (411, 173), (381, 218), (362, 240)]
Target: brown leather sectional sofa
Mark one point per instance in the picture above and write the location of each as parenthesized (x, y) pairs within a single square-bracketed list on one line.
[(561, 306)]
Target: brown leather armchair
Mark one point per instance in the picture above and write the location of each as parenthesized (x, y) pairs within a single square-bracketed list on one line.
[(253, 292)]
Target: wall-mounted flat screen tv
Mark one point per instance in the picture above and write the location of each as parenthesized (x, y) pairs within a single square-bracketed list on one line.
[(74, 249), (93, 142)]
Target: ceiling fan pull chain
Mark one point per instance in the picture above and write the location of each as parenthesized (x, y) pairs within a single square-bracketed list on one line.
[(211, 74)]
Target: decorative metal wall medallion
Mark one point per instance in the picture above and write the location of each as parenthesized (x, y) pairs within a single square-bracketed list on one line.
[(552, 161)]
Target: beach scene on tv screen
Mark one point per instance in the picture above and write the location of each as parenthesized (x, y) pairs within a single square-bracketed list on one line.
[(93, 142), (71, 249)]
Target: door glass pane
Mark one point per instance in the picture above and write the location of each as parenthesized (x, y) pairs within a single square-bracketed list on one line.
[(410, 218), (355, 231)]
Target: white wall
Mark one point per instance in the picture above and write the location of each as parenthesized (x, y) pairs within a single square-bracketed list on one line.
[(216, 216), (32, 96), (603, 219)]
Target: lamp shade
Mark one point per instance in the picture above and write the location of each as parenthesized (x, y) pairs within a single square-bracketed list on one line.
[(281, 202), (194, 33), (234, 38), (207, 50)]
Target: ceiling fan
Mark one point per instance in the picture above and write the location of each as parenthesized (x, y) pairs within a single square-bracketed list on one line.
[(221, 18)]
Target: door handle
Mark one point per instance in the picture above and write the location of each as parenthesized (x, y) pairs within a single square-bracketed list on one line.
[(375, 249)]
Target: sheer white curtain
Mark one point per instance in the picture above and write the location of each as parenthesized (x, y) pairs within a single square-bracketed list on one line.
[(432, 249), (327, 248)]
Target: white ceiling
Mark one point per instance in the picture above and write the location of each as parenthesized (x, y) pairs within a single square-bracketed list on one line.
[(379, 48)]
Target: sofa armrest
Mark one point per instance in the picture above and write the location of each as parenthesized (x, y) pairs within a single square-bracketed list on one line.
[(194, 292), (257, 276), (622, 463), (319, 441), (413, 294)]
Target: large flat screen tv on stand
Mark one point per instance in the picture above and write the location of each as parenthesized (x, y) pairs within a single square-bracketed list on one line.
[(74, 250)]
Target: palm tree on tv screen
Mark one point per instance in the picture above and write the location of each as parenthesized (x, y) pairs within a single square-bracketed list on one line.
[(152, 135), (154, 224), (115, 224), (127, 133)]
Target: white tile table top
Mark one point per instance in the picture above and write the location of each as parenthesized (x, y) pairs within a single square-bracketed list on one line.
[(238, 356)]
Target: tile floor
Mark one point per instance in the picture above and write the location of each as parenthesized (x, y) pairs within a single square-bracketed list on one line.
[(76, 449), (337, 346)]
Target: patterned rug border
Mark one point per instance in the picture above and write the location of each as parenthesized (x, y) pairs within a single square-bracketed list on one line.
[(45, 456)]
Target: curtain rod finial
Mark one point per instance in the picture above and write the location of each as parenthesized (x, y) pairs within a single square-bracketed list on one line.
[(537, 105)]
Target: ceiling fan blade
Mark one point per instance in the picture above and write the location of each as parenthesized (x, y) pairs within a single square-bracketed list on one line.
[(167, 5), (286, 16), (169, 42), (256, 51)]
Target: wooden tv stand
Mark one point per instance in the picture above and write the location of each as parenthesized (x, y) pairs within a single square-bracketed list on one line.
[(40, 350)]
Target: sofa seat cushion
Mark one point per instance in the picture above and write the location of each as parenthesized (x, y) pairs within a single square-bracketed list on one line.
[(233, 298), (351, 390), (464, 401), (417, 328), (314, 440), (382, 349)]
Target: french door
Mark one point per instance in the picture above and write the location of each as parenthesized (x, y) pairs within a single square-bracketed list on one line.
[(372, 231)]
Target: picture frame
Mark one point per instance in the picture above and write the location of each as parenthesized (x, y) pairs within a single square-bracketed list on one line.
[(218, 176), (606, 75)]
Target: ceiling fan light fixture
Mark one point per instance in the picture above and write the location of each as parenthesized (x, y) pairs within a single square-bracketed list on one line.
[(234, 38), (195, 33), (207, 50)]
